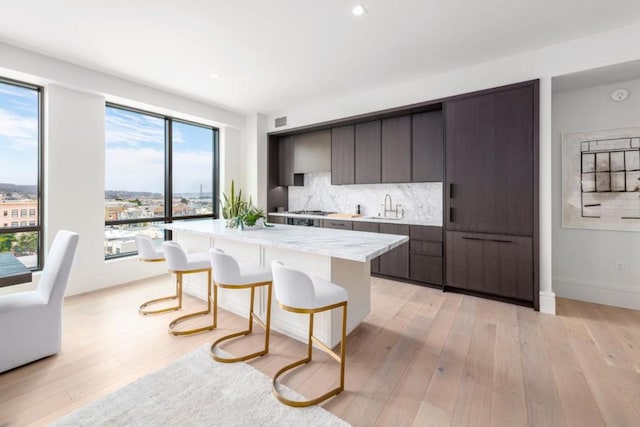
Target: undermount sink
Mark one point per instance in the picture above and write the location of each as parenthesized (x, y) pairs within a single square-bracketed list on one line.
[(383, 217)]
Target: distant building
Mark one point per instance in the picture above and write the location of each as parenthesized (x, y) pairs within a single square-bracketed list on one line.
[(18, 213)]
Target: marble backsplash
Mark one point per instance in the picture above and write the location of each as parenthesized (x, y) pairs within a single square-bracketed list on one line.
[(421, 201)]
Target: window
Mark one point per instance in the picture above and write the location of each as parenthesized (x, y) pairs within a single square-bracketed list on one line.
[(32, 223), (158, 169), (32, 212), (21, 169)]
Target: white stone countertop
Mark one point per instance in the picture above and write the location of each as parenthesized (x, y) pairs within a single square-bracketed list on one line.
[(345, 244), (378, 219)]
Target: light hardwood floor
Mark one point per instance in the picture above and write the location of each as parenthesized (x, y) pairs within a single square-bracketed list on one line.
[(422, 358)]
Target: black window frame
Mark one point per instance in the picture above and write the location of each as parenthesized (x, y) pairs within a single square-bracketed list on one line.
[(168, 216), (39, 228)]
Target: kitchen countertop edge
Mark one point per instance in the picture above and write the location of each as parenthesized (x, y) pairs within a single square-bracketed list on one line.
[(381, 220)]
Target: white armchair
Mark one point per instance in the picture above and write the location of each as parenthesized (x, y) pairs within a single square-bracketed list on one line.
[(31, 322)]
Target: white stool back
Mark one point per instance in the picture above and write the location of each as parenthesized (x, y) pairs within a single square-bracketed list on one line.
[(176, 256), (292, 288), (146, 249), (225, 268)]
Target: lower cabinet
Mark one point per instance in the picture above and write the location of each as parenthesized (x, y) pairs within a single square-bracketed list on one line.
[(496, 264), (337, 224), (277, 219), (425, 268), (396, 261)]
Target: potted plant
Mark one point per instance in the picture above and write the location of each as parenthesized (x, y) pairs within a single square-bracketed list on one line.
[(239, 212)]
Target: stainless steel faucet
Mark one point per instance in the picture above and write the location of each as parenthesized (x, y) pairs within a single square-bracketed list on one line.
[(389, 208)]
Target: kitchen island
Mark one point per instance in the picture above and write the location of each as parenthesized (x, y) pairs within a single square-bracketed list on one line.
[(342, 257)]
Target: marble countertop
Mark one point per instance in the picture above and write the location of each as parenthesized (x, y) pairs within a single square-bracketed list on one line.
[(406, 221), (351, 245)]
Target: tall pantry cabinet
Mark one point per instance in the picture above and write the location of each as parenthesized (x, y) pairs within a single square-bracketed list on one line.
[(491, 202)]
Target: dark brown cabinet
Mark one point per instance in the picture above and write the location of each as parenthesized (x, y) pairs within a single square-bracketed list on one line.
[(490, 192), (427, 147), (489, 181), (277, 219), (425, 254), (370, 227), (343, 155), (396, 261), (367, 152), (337, 224), (396, 149), (285, 161), (497, 264)]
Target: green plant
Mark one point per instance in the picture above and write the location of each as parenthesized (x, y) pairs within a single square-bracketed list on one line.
[(239, 212), (233, 205), (252, 215)]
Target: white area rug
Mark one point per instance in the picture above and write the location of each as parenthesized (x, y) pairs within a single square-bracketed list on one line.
[(198, 391)]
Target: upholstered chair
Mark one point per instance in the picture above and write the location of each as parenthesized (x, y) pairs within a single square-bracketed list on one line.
[(231, 274), (31, 321), (296, 292)]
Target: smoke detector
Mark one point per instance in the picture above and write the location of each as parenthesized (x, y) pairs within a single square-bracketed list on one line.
[(619, 95)]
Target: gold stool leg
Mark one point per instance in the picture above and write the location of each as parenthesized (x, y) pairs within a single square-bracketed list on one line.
[(340, 359), (142, 310), (180, 319), (252, 317)]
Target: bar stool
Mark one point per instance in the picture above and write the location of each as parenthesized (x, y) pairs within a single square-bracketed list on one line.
[(230, 274), (148, 252), (181, 263), (296, 292)]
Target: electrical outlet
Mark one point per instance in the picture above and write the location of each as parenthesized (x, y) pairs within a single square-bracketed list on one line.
[(619, 266)]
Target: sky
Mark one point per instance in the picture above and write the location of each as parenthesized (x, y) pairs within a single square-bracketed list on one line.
[(18, 135), (135, 154), (134, 147)]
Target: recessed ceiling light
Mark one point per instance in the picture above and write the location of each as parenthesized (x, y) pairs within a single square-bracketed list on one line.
[(359, 10), (214, 76)]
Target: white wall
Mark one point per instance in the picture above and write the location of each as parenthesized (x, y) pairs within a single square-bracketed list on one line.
[(74, 156), (254, 159), (584, 264)]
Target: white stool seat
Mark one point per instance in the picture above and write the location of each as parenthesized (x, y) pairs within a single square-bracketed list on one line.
[(147, 251), (327, 293), (179, 260), (253, 273)]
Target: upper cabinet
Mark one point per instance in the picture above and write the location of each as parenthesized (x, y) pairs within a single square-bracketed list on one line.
[(408, 148), (427, 147), (343, 155), (368, 152), (312, 152), (285, 161), (490, 162), (396, 149), (303, 153)]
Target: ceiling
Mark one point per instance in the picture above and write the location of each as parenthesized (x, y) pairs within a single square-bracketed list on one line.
[(271, 55), (597, 77)]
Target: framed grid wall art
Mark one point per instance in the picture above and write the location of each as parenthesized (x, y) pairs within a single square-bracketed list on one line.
[(601, 179)]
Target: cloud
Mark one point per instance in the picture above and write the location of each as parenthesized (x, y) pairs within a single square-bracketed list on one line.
[(17, 132), (133, 129), (134, 169), (143, 170), (21, 92)]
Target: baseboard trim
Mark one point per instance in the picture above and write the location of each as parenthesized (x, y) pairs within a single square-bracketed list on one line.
[(614, 294), (547, 302)]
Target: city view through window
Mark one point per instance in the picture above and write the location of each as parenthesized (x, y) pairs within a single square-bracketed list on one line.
[(20, 231), (147, 158)]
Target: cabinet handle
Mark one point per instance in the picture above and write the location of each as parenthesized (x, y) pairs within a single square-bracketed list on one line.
[(451, 214), (451, 190), (487, 240)]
